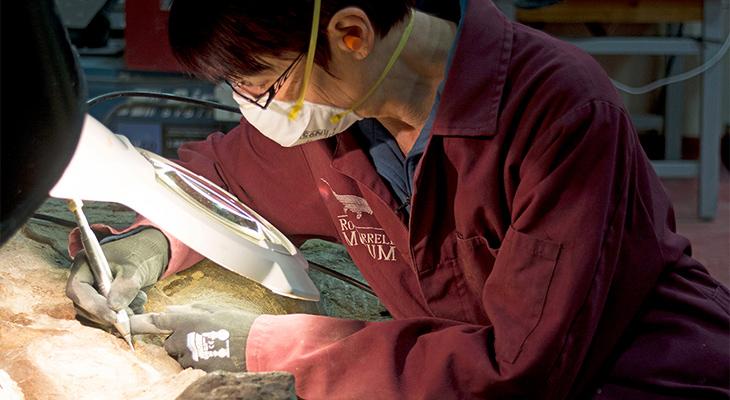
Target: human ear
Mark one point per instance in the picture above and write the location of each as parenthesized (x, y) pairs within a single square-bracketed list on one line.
[(350, 32)]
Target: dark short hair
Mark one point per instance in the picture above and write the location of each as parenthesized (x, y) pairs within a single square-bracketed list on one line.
[(223, 39)]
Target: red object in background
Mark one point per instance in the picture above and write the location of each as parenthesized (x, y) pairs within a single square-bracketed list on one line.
[(147, 47)]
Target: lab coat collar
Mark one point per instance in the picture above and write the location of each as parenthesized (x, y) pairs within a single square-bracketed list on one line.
[(472, 92)]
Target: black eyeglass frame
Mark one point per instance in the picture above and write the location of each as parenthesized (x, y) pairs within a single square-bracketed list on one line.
[(272, 90)]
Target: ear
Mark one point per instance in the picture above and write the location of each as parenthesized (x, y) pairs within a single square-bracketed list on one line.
[(350, 31)]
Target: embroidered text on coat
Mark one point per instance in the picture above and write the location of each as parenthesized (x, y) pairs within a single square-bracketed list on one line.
[(373, 238)]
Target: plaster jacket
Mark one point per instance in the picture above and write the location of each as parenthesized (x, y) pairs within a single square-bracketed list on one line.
[(540, 250)]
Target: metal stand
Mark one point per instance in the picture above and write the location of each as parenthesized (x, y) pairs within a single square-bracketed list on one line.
[(715, 25), (714, 31)]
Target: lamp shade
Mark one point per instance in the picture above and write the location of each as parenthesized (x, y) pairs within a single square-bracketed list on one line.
[(43, 107)]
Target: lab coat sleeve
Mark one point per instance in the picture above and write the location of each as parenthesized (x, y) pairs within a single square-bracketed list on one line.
[(544, 296)]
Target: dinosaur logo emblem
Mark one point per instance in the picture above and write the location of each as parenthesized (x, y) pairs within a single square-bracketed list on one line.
[(350, 203)]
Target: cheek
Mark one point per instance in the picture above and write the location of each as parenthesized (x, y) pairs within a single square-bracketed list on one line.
[(286, 93), (318, 93), (290, 91), (326, 89), (322, 89)]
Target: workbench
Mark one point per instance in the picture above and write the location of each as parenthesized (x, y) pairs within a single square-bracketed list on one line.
[(715, 18)]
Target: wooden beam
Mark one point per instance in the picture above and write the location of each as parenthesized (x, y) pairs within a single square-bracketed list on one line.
[(616, 11)]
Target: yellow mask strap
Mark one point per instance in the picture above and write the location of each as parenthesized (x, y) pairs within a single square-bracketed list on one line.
[(296, 108), (309, 62), (393, 58)]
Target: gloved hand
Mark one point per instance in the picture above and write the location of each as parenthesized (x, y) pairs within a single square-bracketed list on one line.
[(202, 336), (136, 261)]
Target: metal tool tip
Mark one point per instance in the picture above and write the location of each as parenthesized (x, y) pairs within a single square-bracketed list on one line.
[(129, 341)]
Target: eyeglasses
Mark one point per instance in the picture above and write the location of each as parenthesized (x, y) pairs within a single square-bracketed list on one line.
[(264, 99)]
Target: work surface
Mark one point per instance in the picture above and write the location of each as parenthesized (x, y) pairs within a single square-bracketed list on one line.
[(46, 353)]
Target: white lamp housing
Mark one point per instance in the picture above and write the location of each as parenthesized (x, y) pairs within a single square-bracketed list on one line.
[(106, 167)]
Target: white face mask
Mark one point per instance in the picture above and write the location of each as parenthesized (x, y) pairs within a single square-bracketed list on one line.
[(301, 122), (313, 122)]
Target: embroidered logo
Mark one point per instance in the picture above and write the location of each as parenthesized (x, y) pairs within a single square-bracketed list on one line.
[(213, 344), (353, 204), (373, 238)]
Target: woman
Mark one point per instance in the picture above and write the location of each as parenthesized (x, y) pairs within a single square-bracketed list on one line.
[(507, 216)]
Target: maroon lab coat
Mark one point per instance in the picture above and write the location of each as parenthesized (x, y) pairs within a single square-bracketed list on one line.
[(540, 259)]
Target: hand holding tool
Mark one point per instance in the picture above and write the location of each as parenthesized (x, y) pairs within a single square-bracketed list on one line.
[(99, 267)]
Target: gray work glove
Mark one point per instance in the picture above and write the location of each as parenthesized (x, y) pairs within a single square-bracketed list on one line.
[(137, 261), (202, 336)]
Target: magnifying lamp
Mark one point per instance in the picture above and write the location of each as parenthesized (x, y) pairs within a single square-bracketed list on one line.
[(106, 167), (44, 118)]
